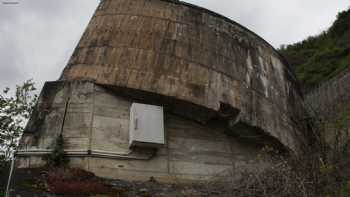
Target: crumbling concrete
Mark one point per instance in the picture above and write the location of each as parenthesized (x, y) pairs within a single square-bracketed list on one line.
[(226, 93), (191, 54), (97, 121)]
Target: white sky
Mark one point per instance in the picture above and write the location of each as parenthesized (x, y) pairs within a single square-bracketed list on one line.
[(37, 37)]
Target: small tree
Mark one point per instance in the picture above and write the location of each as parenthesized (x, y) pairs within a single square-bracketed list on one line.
[(15, 109)]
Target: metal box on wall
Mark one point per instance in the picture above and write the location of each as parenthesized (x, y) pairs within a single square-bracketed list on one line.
[(146, 128)]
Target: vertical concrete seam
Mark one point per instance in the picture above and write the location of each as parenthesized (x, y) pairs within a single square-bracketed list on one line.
[(167, 144), (64, 116), (91, 124)]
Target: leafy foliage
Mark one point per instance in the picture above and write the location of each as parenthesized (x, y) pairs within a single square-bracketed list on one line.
[(14, 112), (322, 57)]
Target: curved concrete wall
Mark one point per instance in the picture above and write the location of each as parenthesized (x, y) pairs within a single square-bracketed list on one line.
[(189, 53)]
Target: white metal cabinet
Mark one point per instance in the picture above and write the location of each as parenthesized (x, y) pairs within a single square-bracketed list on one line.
[(146, 128)]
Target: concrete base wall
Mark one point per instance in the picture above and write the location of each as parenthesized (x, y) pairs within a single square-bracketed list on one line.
[(96, 119), (331, 96)]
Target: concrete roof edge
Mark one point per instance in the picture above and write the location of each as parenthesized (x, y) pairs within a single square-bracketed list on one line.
[(285, 62)]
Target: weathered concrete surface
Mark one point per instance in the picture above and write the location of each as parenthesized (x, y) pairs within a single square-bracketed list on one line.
[(191, 54), (97, 119), (331, 96), (330, 102), (65, 108), (218, 82)]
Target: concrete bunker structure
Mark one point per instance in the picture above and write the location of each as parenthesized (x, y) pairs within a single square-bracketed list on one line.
[(224, 91)]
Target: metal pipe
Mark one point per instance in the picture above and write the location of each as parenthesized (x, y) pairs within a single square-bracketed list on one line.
[(92, 153), (7, 194)]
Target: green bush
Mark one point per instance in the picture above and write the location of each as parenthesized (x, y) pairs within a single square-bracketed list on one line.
[(322, 57), (57, 158)]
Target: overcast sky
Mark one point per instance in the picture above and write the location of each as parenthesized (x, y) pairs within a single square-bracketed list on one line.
[(37, 37)]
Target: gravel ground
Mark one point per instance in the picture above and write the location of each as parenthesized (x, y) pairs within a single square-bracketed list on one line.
[(33, 183)]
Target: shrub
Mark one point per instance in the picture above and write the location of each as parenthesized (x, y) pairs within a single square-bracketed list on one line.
[(57, 158), (321, 169)]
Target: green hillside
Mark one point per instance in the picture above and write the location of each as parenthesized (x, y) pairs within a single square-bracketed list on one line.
[(321, 57)]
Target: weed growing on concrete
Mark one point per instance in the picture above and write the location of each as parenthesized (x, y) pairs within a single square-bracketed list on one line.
[(57, 158)]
